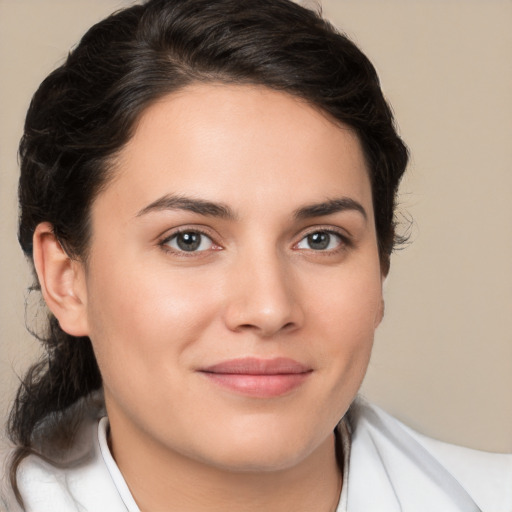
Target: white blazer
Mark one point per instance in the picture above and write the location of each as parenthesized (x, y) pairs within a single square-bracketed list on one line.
[(391, 468)]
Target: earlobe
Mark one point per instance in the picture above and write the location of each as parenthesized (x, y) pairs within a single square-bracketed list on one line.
[(380, 310), (62, 281), (380, 313)]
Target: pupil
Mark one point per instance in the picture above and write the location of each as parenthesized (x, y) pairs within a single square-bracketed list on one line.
[(188, 241), (319, 241)]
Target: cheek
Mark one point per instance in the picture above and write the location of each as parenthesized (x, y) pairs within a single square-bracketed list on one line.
[(141, 319), (349, 307), (346, 316)]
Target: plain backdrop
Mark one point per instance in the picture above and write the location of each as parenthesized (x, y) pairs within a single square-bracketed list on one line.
[(443, 355)]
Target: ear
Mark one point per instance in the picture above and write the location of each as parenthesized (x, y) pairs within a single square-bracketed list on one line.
[(62, 281), (380, 311)]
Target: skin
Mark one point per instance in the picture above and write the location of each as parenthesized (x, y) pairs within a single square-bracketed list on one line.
[(256, 287)]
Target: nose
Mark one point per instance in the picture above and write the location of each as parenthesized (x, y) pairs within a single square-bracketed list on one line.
[(263, 297)]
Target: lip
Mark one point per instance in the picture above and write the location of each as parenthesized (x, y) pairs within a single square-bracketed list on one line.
[(262, 378)]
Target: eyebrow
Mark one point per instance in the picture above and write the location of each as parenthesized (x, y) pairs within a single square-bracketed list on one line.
[(200, 206), (329, 207), (211, 209)]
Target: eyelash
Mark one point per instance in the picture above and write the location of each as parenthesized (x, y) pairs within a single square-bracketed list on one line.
[(345, 241)]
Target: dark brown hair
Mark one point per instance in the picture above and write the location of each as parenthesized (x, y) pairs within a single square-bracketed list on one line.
[(85, 111)]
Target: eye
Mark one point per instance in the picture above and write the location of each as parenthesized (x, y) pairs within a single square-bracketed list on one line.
[(321, 241), (189, 241)]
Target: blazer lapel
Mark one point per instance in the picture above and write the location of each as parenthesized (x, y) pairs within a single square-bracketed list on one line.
[(390, 471)]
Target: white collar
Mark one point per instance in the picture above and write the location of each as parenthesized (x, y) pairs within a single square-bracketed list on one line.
[(117, 477)]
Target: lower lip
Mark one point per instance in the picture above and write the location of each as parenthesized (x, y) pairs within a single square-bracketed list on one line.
[(260, 386)]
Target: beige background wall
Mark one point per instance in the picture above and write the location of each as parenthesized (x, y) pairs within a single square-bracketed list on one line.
[(443, 356)]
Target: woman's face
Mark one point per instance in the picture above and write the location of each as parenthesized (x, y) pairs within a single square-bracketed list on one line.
[(233, 285)]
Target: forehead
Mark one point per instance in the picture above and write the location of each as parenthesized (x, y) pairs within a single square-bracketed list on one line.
[(230, 142)]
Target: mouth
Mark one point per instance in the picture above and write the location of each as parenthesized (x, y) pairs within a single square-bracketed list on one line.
[(260, 378)]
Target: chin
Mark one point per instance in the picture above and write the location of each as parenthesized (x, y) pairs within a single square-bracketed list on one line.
[(261, 450), (257, 461)]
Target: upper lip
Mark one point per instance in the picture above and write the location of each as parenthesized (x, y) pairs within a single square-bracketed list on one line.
[(257, 366)]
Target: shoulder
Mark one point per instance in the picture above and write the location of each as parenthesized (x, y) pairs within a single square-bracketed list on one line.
[(414, 465), (488, 476), (81, 483)]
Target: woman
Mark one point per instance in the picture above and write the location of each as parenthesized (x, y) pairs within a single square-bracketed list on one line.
[(207, 195)]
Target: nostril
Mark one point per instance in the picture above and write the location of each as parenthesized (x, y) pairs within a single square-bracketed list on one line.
[(265, 330), (246, 326)]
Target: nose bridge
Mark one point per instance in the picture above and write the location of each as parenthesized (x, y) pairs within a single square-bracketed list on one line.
[(262, 294)]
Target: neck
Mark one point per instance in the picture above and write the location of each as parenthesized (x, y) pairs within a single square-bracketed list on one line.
[(158, 477)]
